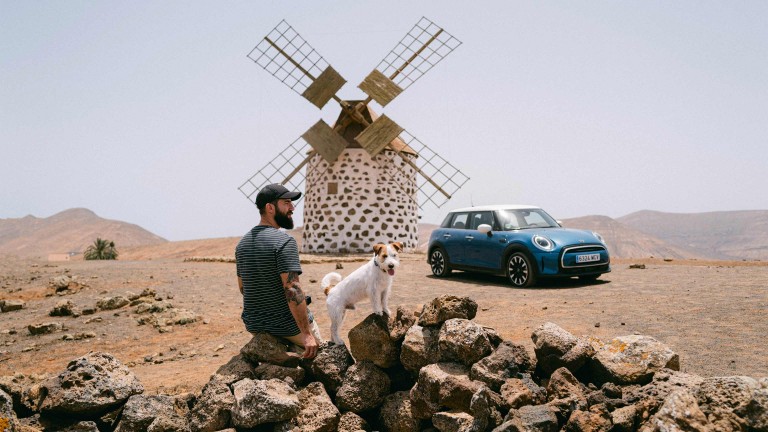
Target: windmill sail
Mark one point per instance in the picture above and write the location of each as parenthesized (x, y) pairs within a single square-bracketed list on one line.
[(435, 178), (419, 50), (289, 58)]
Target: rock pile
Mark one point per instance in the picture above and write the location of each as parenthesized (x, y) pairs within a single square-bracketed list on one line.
[(433, 370)]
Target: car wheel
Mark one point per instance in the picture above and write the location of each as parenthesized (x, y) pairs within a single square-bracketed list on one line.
[(439, 263), (520, 271)]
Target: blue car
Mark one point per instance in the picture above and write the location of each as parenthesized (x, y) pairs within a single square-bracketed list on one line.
[(523, 243)]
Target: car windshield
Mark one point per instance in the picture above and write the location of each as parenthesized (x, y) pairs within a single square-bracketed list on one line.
[(525, 218)]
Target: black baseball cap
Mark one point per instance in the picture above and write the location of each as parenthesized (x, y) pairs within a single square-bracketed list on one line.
[(273, 192)]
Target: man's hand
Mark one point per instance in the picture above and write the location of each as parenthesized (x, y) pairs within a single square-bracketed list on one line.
[(310, 346)]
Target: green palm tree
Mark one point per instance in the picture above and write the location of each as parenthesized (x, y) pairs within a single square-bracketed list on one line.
[(101, 250)]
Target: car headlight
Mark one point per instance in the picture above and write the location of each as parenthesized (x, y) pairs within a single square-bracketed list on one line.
[(543, 243), (598, 236)]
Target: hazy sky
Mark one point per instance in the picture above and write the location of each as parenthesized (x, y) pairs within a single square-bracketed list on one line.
[(150, 112)]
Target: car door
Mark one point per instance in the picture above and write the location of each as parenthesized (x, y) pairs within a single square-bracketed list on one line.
[(483, 250), (453, 239)]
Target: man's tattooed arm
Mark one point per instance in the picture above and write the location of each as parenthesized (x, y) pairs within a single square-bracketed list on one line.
[(293, 291)]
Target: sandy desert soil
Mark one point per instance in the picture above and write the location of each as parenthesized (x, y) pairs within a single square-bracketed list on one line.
[(714, 314)]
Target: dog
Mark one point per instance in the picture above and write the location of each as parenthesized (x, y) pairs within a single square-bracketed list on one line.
[(372, 280)]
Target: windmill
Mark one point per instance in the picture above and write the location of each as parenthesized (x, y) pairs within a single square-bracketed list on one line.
[(364, 178)]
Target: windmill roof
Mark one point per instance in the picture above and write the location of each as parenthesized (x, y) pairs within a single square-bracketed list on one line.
[(397, 144)]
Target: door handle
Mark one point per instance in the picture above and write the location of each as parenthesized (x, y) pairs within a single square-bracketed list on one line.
[(469, 237), (446, 236)]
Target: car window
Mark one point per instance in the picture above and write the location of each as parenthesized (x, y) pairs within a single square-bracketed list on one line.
[(535, 219), (460, 221), (479, 218), (522, 219), (447, 221)]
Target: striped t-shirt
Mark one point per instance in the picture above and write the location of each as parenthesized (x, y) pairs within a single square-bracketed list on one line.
[(262, 254)]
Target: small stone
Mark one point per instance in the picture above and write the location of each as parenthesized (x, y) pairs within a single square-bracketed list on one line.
[(597, 324)]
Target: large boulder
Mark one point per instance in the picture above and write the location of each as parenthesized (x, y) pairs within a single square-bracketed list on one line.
[(259, 402), (370, 340), (446, 307), (266, 371), (563, 385), (624, 419), (648, 399), (420, 348), (582, 421), (8, 421), (720, 398), (263, 347), (401, 321), (91, 385), (22, 389), (506, 361), (452, 421), (463, 341), (533, 418), (213, 408), (632, 359), (331, 364), (442, 385), (317, 412), (396, 415), (235, 369), (364, 387), (680, 412), (755, 412), (555, 348), (140, 412), (518, 392), (351, 422)]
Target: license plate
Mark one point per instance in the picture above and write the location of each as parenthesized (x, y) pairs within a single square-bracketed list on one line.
[(587, 258)]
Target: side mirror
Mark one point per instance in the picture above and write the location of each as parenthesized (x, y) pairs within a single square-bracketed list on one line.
[(484, 228)]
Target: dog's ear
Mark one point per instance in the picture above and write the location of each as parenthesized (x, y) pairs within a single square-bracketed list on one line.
[(378, 247), (398, 246)]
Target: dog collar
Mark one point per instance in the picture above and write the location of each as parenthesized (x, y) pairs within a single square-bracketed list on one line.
[(376, 263)]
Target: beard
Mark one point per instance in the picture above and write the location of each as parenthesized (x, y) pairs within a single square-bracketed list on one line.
[(283, 220)]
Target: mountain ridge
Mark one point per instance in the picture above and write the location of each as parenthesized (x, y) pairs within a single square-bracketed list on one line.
[(68, 232), (723, 235)]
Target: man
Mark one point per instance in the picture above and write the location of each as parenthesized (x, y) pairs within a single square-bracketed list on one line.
[(268, 272)]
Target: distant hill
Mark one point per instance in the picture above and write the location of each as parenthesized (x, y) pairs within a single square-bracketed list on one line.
[(736, 235), (719, 235), (627, 242), (70, 231)]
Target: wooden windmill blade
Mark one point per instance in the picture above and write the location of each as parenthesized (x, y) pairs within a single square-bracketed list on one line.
[(287, 168), (412, 162), (292, 60), (425, 45)]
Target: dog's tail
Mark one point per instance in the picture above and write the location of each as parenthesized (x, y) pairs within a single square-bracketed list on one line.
[(329, 281)]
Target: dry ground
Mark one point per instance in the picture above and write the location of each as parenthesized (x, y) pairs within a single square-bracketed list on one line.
[(714, 314)]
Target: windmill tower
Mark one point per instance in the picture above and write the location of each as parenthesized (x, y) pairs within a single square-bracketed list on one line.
[(364, 178)]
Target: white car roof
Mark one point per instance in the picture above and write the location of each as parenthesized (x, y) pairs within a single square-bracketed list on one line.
[(495, 207)]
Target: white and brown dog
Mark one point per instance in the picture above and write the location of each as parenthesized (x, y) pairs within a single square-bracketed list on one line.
[(372, 280)]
